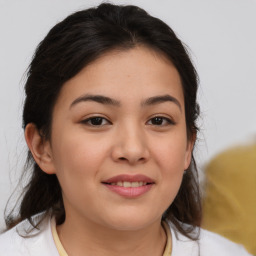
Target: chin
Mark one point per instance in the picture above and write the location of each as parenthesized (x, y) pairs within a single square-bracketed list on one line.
[(129, 221)]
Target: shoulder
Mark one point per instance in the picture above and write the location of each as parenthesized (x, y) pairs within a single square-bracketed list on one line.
[(12, 242), (209, 244), (21, 241), (214, 243)]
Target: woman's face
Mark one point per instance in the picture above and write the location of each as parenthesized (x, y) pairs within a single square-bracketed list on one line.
[(118, 143)]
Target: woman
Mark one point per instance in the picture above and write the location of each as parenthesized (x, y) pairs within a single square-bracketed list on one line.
[(110, 122)]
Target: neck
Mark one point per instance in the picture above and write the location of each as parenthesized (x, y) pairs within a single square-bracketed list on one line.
[(91, 238)]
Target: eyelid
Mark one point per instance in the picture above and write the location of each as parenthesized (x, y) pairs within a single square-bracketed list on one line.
[(87, 119), (169, 120)]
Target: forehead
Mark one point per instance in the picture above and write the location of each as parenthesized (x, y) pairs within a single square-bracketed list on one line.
[(127, 75)]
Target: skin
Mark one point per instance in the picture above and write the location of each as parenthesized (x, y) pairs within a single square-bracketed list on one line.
[(127, 140)]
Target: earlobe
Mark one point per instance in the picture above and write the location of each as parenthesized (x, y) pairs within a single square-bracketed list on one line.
[(40, 148)]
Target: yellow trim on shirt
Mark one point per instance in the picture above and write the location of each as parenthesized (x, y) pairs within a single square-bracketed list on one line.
[(168, 246), (56, 239), (62, 252)]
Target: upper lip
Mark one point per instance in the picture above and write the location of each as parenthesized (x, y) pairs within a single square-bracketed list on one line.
[(129, 178)]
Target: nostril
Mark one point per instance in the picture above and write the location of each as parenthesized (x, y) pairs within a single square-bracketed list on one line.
[(142, 159)]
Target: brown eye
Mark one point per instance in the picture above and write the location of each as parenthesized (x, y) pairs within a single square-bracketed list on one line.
[(160, 121), (96, 121), (157, 120)]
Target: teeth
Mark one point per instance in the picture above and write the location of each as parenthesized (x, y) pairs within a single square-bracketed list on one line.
[(135, 184), (128, 184)]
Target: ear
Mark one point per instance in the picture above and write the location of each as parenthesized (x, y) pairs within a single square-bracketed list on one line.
[(189, 150), (40, 148)]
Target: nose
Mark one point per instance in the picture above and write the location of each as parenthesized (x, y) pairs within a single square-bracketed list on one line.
[(130, 146)]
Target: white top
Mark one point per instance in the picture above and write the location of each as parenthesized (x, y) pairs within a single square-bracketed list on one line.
[(41, 243)]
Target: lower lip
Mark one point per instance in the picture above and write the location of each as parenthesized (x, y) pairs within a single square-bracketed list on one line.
[(129, 192)]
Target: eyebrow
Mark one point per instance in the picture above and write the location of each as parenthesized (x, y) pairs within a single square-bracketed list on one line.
[(96, 98), (161, 99), (112, 102)]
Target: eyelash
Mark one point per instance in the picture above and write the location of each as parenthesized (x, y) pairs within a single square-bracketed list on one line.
[(89, 120), (168, 121), (100, 119)]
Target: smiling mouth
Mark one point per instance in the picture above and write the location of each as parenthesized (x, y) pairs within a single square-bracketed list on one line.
[(128, 184)]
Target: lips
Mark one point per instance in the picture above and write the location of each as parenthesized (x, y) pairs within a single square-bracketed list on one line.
[(129, 185), (129, 178)]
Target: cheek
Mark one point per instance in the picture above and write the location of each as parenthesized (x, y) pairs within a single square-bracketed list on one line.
[(77, 163), (77, 149), (77, 160), (170, 157), (171, 154)]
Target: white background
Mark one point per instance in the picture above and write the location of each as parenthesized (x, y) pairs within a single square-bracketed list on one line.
[(221, 35)]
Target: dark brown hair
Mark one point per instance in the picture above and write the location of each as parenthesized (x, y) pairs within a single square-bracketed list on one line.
[(72, 44)]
